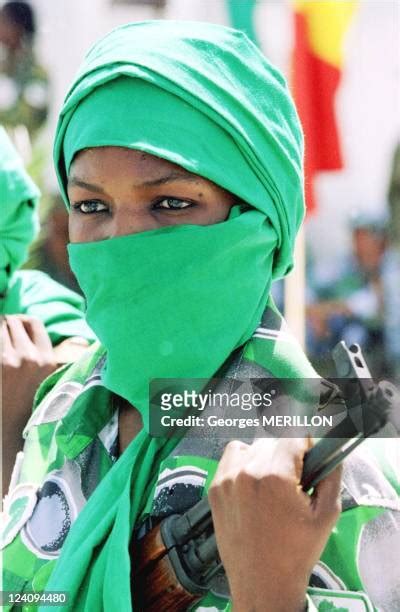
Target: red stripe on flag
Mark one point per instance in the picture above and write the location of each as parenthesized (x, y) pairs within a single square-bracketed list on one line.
[(314, 83)]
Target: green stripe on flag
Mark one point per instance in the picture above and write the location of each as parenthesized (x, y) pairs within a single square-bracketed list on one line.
[(241, 16)]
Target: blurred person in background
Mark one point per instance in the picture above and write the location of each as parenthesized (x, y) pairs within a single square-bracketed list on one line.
[(50, 254), (42, 323), (391, 273), (349, 305), (24, 86)]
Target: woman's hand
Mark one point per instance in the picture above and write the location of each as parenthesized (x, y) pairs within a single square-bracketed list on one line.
[(270, 534), (27, 359)]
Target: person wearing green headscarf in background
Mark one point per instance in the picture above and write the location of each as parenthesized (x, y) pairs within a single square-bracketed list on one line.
[(37, 313), (180, 158)]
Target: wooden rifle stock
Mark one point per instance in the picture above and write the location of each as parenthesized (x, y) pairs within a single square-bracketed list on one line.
[(155, 581), (173, 563)]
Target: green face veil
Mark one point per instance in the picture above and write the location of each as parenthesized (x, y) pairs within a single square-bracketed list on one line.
[(203, 97), (176, 300), (18, 207)]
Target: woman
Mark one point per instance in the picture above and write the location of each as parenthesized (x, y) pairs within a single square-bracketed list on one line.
[(179, 155)]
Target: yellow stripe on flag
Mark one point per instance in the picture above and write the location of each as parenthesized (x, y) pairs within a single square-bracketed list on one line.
[(327, 21)]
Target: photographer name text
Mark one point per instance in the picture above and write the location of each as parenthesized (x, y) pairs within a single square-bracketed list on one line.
[(278, 420)]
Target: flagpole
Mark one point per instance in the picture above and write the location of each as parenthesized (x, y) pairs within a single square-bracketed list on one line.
[(294, 291)]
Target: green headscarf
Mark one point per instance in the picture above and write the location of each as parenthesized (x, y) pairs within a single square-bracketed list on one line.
[(220, 81), (19, 221), (178, 300)]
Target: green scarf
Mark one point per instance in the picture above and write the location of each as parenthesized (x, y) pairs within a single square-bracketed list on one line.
[(179, 307), (204, 97), (19, 222)]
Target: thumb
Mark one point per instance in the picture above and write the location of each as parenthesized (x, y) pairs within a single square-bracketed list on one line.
[(326, 497)]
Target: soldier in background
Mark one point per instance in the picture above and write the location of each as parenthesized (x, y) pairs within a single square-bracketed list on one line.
[(391, 272), (24, 87), (348, 304)]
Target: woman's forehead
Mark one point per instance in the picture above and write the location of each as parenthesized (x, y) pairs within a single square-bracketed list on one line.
[(107, 167), (100, 160), (99, 155)]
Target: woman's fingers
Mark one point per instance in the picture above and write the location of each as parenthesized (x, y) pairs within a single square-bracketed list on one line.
[(326, 500), (234, 455), (19, 337), (289, 455), (37, 333), (266, 456), (28, 339), (6, 344)]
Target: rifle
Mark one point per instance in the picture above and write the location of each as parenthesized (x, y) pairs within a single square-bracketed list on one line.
[(177, 562)]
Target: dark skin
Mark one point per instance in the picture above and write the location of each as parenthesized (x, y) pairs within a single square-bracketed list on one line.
[(278, 529)]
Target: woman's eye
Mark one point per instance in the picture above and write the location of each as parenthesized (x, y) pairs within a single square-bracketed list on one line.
[(89, 206), (173, 204)]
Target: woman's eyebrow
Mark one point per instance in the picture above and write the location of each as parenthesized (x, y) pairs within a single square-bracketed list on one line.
[(74, 181), (168, 178), (172, 176)]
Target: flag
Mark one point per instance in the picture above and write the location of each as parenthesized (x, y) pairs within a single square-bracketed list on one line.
[(319, 33), (240, 13)]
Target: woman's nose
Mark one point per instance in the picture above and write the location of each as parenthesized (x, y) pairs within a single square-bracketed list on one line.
[(127, 222)]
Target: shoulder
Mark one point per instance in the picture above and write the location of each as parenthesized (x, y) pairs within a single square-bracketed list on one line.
[(276, 350)]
